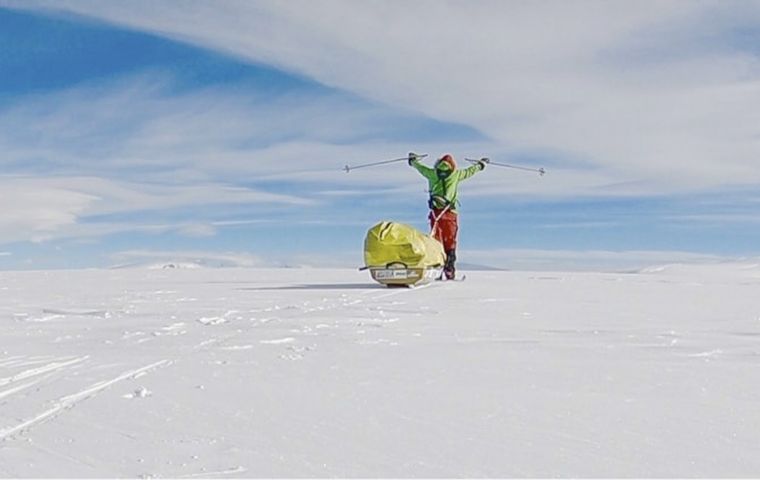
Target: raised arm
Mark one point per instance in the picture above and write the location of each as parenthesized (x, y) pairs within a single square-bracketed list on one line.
[(427, 172), (472, 169)]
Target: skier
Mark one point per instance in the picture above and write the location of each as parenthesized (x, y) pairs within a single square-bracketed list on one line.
[(443, 180)]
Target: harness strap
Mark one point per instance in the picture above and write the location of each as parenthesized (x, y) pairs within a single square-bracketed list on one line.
[(438, 218), (440, 201)]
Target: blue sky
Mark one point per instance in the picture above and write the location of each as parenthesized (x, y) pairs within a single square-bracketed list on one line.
[(141, 131)]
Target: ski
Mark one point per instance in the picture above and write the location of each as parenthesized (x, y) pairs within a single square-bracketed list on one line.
[(461, 278)]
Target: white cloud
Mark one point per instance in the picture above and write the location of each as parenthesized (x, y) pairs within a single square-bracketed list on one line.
[(644, 91), (40, 208), (35, 213)]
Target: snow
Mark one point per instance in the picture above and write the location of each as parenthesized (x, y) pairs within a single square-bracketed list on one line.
[(212, 373)]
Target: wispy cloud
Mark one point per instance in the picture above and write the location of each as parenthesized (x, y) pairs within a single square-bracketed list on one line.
[(42, 208), (640, 91), (139, 126), (141, 122)]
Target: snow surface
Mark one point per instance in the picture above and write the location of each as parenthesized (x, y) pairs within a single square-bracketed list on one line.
[(294, 372)]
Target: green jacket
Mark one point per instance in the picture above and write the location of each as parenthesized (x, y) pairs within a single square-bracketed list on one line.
[(446, 188)]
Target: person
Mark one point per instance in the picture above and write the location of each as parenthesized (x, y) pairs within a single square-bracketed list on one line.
[(443, 180)]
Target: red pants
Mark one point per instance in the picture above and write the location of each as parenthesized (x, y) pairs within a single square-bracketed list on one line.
[(446, 229)]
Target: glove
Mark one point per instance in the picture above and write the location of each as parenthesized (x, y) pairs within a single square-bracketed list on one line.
[(483, 162), (412, 158)]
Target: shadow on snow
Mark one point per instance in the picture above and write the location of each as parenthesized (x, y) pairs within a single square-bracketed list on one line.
[(321, 286)]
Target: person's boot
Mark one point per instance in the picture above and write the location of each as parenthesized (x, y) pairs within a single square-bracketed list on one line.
[(449, 269)]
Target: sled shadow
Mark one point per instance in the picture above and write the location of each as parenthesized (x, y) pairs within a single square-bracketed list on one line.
[(320, 286)]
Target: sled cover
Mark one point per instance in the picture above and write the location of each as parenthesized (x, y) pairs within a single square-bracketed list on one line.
[(390, 243)]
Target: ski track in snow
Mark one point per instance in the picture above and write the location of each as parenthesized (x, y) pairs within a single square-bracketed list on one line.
[(229, 471), (21, 360), (40, 370), (72, 400), (19, 388), (278, 341)]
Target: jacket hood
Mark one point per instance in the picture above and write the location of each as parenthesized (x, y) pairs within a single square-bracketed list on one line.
[(448, 161)]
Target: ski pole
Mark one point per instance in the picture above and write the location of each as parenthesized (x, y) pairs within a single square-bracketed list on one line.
[(540, 171), (348, 168)]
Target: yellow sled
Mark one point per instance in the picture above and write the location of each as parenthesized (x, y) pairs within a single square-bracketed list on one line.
[(400, 255)]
